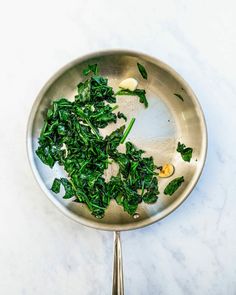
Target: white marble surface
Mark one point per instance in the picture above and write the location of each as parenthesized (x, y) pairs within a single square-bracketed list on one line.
[(193, 251)]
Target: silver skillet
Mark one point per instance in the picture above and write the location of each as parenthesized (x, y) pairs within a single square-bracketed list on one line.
[(157, 130)]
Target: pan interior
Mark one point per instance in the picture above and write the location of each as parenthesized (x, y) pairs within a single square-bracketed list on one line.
[(157, 130)]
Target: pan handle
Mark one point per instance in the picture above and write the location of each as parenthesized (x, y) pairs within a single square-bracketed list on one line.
[(118, 283)]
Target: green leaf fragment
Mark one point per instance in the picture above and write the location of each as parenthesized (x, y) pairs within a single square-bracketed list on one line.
[(151, 195), (45, 155), (69, 192), (179, 96), (127, 131), (173, 185), (121, 116), (91, 69), (142, 71), (186, 152), (56, 185)]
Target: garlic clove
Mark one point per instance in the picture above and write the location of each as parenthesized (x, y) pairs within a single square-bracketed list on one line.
[(129, 84), (166, 171)]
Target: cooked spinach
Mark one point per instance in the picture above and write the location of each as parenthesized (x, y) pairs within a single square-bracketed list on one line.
[(71, 137), (141, 93), (121, 115), (179, 96), (56, 185), (173, 185), (186, 152), (91, 69), (136, 173), (127, 131), (112, 141), (142, 71), (151, 195), (69, 190)]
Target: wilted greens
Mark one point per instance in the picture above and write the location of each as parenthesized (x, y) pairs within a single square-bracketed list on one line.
[(136, 180), (173, 185), (91, 69), (186, 152), (142, 71), (71, 137), (121, 115)]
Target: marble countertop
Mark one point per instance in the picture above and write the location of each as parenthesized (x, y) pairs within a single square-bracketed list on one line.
[(192, 251)]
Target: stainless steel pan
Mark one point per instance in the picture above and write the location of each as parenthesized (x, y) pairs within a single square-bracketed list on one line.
[(157, 130)]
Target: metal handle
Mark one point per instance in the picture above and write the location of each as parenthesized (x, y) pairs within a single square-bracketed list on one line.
[(118, 283)]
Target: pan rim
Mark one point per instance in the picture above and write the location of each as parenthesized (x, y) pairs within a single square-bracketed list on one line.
[(107, 226)]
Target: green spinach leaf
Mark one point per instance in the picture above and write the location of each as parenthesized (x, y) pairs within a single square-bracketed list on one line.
[(186, 152), (121, 115), (173, 185), (142, 71), (91, 69), (56, 185)]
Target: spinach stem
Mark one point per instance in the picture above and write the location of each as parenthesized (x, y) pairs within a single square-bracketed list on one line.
[(97, 206), (114, 108), (127, 131), (72, 184), (142, 189), (83, 116), (92, 127)]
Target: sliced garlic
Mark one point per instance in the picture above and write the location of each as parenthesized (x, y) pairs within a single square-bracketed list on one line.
[(167, 170), (129, 84), (64, 147), (136, 216)]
